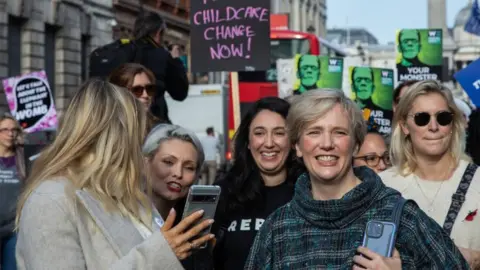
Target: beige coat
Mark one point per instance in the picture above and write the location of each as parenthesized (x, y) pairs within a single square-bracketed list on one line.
[(59, 232)]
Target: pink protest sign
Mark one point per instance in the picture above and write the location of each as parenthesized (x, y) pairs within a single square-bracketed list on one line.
[(31, 102)]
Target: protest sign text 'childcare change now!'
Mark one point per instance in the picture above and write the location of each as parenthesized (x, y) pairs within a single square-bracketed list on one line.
[(230, 35)]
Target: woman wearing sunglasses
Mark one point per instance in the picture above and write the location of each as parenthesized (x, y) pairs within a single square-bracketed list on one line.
[(140, 81), (430, 165)]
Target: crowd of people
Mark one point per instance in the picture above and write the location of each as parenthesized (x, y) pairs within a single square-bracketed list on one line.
[(306, 177)]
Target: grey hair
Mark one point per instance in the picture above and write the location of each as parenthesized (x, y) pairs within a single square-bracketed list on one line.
[(165, 132), (314, 104)]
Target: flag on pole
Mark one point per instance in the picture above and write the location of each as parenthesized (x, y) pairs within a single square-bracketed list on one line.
[(473, 24)]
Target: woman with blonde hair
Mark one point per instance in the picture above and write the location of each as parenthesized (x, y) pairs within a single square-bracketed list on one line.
[(430, 166), (84, 206), (12, 176)]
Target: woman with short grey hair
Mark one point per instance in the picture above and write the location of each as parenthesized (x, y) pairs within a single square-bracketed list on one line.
[(164, 132), (324, 224), (174, 157)]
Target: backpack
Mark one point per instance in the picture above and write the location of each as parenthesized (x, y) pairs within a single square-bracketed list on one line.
[(105, 59)]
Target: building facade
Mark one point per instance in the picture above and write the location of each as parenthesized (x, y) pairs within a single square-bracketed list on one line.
[(304, 15), (55, 36), (351, 36), (175, 12), (468, 45)]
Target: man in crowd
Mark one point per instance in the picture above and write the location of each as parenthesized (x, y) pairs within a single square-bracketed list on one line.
[(169, 70), (211, 146)]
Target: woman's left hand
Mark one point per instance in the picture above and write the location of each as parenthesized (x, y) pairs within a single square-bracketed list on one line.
[(371, 260)]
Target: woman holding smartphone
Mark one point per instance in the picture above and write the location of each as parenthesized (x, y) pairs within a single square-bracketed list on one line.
[(174, 157), (84, 206), (323, 225)]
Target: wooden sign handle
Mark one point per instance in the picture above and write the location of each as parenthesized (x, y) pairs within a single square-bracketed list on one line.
[(235, 100)]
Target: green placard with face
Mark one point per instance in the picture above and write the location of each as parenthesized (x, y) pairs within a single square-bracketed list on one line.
[(419, 54), (372, 89), (313, 72)]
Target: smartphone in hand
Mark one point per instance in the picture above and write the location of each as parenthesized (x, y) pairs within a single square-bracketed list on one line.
[(379, 237), (202, 197)]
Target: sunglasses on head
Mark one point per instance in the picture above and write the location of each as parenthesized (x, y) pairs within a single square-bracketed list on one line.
[(444, 118), (138, 90)]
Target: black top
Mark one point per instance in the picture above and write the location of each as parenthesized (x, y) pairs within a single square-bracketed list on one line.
[(10, 189), (239, 228), (169, 72), (200, 259)]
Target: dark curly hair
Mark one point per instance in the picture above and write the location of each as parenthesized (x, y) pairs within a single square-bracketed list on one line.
[(245, 184)]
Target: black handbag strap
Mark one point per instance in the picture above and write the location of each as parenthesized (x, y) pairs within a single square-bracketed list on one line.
[(397, 211), (397, 214), (458, 198)]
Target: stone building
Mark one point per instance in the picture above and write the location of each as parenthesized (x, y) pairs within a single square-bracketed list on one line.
[(55, 36), (175, 12), (305, 15), (468, 45)]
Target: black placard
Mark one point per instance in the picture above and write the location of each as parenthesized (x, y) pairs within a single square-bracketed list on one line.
[(33, 101), (230, 35)]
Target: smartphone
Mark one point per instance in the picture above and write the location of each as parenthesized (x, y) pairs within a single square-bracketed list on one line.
[(202, 197), (379, 237)]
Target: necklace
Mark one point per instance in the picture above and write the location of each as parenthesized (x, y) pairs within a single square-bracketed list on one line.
[(431, 205)]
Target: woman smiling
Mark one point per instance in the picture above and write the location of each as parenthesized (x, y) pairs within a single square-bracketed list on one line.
[(323, 226)]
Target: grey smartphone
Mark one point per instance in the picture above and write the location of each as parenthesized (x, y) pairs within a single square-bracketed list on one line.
[(379, 237), (204, 198)]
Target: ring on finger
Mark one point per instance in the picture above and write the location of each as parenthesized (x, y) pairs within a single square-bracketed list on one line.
[(192, 245)]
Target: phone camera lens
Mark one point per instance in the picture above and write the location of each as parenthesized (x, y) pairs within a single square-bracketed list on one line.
[(375, 230)]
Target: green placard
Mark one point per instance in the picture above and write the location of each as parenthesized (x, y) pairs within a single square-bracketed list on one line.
[(419, 54), (313, 72), (372, 89)]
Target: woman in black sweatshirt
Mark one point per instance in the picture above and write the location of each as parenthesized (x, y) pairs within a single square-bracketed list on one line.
[(260, 181)]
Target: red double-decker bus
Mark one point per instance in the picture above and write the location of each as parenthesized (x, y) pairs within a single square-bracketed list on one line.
[(284, 44)]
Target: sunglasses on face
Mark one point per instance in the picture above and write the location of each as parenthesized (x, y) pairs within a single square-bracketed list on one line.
[(443, 118), (137, 90)]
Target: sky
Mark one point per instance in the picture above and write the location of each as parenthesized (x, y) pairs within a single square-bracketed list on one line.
[(383, 17)]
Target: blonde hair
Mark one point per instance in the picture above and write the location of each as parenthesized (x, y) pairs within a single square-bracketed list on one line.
[(314, 104), (98, 147), (401, 147)]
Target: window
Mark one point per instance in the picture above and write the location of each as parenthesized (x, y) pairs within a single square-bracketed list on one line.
[(279, 49), (84, 56), (50, 59), (14, 46)]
